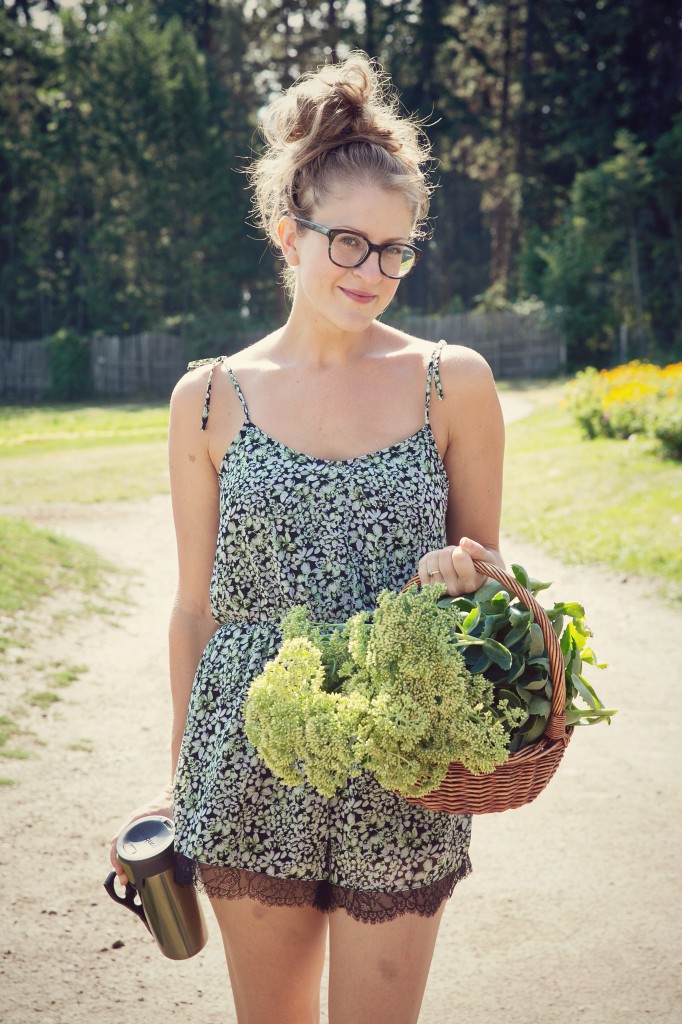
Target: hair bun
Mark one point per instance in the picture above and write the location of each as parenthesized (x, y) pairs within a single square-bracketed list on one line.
[(336, 105), (342, 121)]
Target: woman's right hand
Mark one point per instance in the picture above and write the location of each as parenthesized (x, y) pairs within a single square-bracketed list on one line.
[(161, 804)]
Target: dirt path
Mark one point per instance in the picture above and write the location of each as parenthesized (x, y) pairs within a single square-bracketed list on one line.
[(573, 913)]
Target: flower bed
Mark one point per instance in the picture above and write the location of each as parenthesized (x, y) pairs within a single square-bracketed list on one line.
[(635, 398)]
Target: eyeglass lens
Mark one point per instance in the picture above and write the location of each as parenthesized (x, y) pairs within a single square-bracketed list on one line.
[(348, 250)]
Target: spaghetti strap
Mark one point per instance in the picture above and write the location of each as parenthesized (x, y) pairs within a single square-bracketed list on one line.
[(207, 399), (240, 396), (433, 377)]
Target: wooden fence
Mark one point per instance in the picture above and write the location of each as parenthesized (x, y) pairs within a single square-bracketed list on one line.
[(148, 365), (515, 346)]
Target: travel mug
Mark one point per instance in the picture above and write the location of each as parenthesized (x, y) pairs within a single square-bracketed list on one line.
[(171, 911)]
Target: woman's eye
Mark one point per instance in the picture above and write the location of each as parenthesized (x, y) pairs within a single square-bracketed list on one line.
[(350, 241), (395, 250)]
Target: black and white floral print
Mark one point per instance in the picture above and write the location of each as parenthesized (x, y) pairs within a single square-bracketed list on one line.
[(330, 534)]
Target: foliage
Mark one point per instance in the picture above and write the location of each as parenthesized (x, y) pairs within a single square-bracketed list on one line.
[(70, 372), (637, 398), (421, 681), (127, 126)]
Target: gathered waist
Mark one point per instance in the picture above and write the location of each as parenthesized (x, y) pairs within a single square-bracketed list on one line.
[(266, 623)]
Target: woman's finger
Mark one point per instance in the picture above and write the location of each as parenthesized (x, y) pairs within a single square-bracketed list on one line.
[(429, 568)]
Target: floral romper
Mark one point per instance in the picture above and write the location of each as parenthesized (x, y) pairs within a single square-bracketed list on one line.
[(330, 534)]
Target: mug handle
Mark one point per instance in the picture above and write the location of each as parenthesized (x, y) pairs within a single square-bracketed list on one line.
[(128, 900)]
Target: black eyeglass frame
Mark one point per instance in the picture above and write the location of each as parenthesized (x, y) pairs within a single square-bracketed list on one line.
[(333, 233)]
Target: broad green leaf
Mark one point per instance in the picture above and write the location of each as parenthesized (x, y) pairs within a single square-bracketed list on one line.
[(535, 685), (487, 592), (533, 730), (480, 664), (521, 575), (565, 643), (494, 624), (517, 633), (518, 666), (584, 716), (472, 620), (464, 604), (497, 653), (539, 706), (535, 586), (586, 691), (518, 614), (537, 641), (577, 636), (572, 609)]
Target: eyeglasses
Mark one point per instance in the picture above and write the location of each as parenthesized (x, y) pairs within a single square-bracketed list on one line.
[(351, 249)]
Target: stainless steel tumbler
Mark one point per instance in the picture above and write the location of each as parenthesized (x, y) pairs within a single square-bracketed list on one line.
[(171, 912)]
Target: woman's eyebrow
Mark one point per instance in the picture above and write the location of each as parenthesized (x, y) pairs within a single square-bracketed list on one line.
[(356, 231)]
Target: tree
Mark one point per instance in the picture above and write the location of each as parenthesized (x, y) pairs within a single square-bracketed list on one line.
[(24, 171), (598, 251)]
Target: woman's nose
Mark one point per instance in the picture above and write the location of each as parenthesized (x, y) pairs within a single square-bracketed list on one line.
[(369, 269)]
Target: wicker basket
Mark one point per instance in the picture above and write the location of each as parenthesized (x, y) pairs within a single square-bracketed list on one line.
[(526, 773)]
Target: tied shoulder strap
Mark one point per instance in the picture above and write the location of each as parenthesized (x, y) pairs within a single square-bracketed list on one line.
[(207, 399), (433, 377)]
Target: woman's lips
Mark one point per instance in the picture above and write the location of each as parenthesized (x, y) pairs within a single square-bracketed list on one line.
[(362, 297)]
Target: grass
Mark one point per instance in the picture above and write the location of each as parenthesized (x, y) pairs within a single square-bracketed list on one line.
[(82, 454), (45, 428), (43, 699), (64, 675), (36, 562), (609, 502), (9, 729)]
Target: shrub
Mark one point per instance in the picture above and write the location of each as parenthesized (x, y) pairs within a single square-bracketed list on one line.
[(70, 370), (636, 398)]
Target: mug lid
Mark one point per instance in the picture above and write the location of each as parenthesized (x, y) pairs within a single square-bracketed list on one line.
[(146, 846)]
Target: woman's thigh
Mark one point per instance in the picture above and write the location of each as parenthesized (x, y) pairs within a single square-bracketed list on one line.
[(378, 972), (275, 957)]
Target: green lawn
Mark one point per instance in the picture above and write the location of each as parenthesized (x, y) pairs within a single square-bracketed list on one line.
[(27, 430), (615, 503), (82, 453)]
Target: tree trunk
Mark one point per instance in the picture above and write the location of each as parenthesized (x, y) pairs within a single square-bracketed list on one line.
[(501, 216), (370, 41), (333, 30), (637, 286)]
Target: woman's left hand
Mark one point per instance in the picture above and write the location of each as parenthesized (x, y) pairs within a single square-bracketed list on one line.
[(454, 566)]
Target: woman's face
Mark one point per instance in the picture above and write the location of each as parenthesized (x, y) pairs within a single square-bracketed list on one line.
[(347, 298)]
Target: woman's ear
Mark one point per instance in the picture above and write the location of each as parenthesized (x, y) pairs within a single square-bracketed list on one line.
[(288, 240)]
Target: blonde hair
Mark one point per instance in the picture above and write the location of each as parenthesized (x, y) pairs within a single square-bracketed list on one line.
[(339, 124)]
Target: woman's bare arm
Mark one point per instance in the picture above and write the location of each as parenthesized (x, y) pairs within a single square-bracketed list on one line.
[(194, 493), (471, 420)]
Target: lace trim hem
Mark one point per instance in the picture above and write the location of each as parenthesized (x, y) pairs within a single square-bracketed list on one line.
[(369, 906)]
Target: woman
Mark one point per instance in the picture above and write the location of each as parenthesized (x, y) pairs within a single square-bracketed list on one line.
[(321, 465)]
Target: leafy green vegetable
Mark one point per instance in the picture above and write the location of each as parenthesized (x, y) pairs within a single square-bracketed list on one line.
[(423, 680)]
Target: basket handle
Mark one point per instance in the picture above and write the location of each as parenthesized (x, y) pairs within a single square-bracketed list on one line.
[(556, 722)]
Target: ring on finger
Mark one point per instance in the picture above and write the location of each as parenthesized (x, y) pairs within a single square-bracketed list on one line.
[(433, 572)]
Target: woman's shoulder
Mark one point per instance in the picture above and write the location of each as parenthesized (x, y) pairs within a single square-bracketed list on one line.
[(458, 364), (201, 372), (463, 364)]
